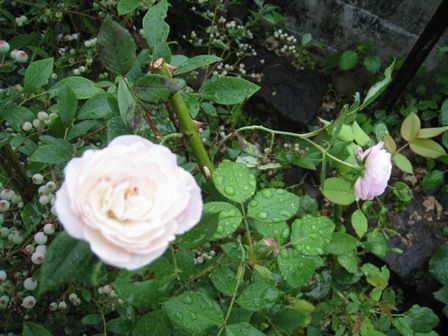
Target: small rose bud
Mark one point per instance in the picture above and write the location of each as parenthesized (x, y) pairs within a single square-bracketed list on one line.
[(44, 199), (4, 300), (37, 258), (4, 47), (3, 276), (30, 284), (53, 306), (7, 194), (76, 72), (27, 126), (51, 186), (36, 123), (41, 248), (73, 297), (271, 242), (21, 56), (62, 305), (13, 53), (40, 238), (49, 229), (37, 179), (29, 302), (4, 205)]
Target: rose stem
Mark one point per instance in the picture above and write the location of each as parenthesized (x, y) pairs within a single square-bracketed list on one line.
[(188, 128)]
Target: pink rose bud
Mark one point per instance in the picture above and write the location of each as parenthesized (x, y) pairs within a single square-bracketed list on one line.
[(128, 201), (271, 242), (378, 168), (4, 47)]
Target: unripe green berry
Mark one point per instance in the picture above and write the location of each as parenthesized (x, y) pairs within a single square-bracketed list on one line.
[(4, 47), (37, 179)]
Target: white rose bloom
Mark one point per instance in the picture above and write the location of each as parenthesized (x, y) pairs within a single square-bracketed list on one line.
[(128, 200)]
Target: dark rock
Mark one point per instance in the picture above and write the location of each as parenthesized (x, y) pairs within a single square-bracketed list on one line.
[(420, 236), (296, 94)]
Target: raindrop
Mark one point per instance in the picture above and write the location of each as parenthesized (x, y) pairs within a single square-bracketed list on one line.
[(262, 215), (267, 193), (229, 190)]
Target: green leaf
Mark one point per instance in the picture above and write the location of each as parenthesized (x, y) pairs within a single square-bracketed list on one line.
[(402, 163), (17, 116), (116, 47), (389, 143), (229, 218), (83, 87), (349, 262), (348, 60), (375, 276), (32, 215), (67, 105), (338, 191), (438, 266), (116, 127), (378, 88), (297, 270), (126, 102), (359, 223), (157, 30), (201, 233), (143, 293), (443, 116), (243, 329), (194, 313), (273, 205), (372, 63), (102, 106), (227, 90), (421, 319), (91, 319), (346, 133), (234, 181), (306, 39), (58, 152), (410, 127), (258, 296), (33, 329), (279, 231), (433, 180), (127, 6), (342, 243), (81, 129), (402, 327), (224, 280), (155, 323), (155, 88), (361, 137), (37, 74), (311, 234), (426, 133), (195, 63), (427, 148), (67, 259)]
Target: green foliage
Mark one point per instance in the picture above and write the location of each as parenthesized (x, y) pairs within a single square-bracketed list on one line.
[(194, 313), (37, 74), (116, 48), (66, 260), (234, 181), (338, 191), (157, 30), (228, 90)]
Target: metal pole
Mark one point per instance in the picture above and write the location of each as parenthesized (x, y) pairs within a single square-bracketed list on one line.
[(431, 34)]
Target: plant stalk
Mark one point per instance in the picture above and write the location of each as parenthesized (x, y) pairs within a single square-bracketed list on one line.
[(189, 129)]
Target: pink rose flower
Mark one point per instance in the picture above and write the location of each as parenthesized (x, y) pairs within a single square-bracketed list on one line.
[(378, 168), (128, 200)]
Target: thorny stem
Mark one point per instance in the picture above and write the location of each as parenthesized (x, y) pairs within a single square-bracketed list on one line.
[(176, 268), (189, 129), (249, 238)]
